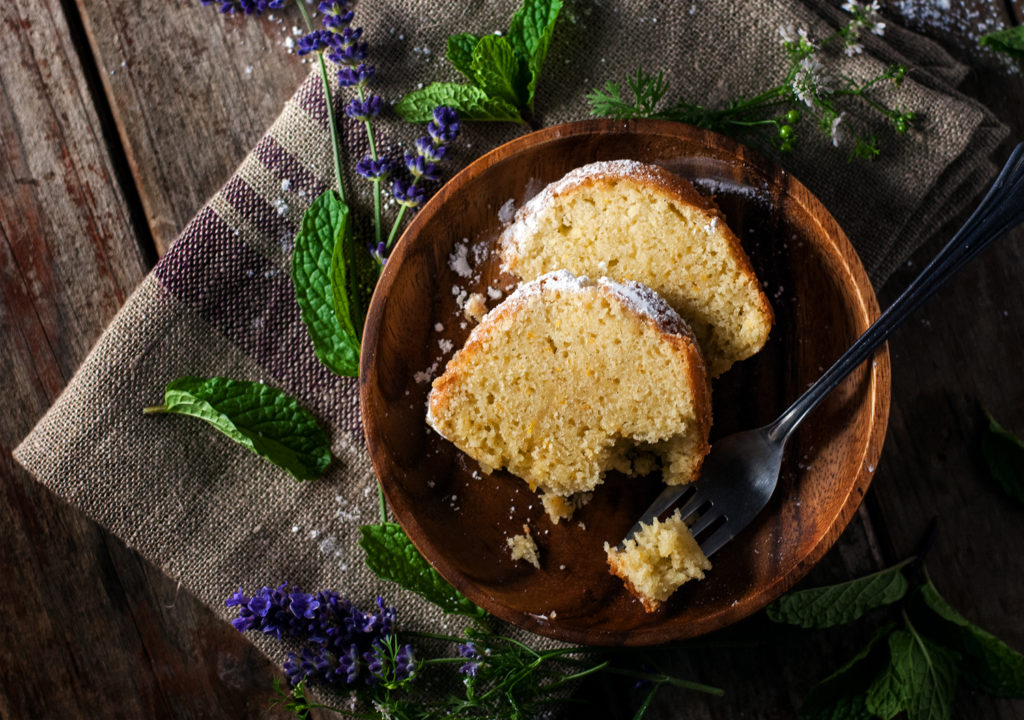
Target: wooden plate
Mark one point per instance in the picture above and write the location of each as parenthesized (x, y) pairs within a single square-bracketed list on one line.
[(459, 519)]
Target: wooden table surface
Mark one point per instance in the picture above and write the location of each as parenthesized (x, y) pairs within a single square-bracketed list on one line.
[(118, 118)]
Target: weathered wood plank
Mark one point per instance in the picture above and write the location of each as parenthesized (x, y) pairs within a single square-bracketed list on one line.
[(86, 628), (191, 92)]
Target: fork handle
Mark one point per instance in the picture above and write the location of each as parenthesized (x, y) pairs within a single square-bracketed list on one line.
[(1000, 211)]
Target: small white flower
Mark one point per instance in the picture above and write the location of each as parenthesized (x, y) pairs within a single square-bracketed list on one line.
[(850, 7), (834, 130), (878, 28), (787, 33), (854, 49)]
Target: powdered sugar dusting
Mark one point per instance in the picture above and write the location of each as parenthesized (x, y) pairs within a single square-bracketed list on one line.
[(526, 219)]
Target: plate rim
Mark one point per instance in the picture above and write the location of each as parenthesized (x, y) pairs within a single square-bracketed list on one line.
[(866, 309)]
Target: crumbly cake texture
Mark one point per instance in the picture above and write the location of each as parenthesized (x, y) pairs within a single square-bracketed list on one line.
[(633, 221), (657, 560), (568, 378), (523, 547)]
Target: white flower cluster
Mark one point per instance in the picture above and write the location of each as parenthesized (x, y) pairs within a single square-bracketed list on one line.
[(810, 80), (865, 17)]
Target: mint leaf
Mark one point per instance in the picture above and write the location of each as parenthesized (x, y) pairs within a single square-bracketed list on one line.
[(471, 102), (353, 277), (841, 696), (1004, 456), (334, 336), (460, 52), (990, 665), (842, 603), (1009, 41), (496, 68), (392, 556), (265, 420), (921, 679), (530, 34)]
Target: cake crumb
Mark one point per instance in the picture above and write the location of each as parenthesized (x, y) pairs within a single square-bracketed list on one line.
[(660, 558), (522, 547), (476, 307)]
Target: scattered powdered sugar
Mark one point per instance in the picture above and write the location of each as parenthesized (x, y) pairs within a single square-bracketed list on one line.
[(507, 212), (494, 293), (458, 261)]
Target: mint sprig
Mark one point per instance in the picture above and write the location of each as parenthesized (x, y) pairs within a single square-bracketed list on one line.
[(990, 665), (1004, 457), (328, 314), (502, 70), (259, 417), (920, 679), (392, 556), (842, 603), (1009, 41), (910, 666)]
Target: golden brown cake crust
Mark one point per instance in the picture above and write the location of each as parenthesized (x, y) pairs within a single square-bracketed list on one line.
[(644, 176), (647, 307)]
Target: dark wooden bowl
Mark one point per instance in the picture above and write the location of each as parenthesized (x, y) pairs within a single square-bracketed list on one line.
[(459, 519)]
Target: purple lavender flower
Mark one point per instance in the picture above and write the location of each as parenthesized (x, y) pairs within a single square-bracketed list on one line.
[(348, 665), (336, 13), (303, 605), (237, 598), (350, 54), (432, 153), (379, 253), (470, 652), (364, 110), (348, 76), (314, 41), (444, 128), (407, 194), (248, 7), (405, 663), (376, 170), (374, 658), (342, 638), (418, 166)]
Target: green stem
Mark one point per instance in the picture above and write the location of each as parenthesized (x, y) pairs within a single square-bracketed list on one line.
[(383, 503), (394, 228), (154, 409), (668, 680), (376, 185), (398, 221), (335, 140)]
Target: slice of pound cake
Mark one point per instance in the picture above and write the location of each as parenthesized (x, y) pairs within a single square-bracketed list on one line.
[(633, 221), (660, 558), (568, 377)]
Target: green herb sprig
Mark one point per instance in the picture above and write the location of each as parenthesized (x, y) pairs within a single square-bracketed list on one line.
[(1009, 41), (502, 677), (913, 664), (502, 70), (775, 114), (256, 416)]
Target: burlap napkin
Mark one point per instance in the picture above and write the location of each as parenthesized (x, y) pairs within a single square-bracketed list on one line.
[(221, 302)]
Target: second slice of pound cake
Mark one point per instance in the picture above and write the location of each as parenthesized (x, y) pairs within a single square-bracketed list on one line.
[(634, 221), (568, 378)]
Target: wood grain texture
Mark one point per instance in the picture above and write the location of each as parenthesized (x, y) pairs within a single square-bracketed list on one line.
[(823, 303), (87, 632), (191, 92), (87, 629)]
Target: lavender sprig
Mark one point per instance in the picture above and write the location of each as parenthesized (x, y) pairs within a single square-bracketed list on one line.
[(346, 647), (246, 7)]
